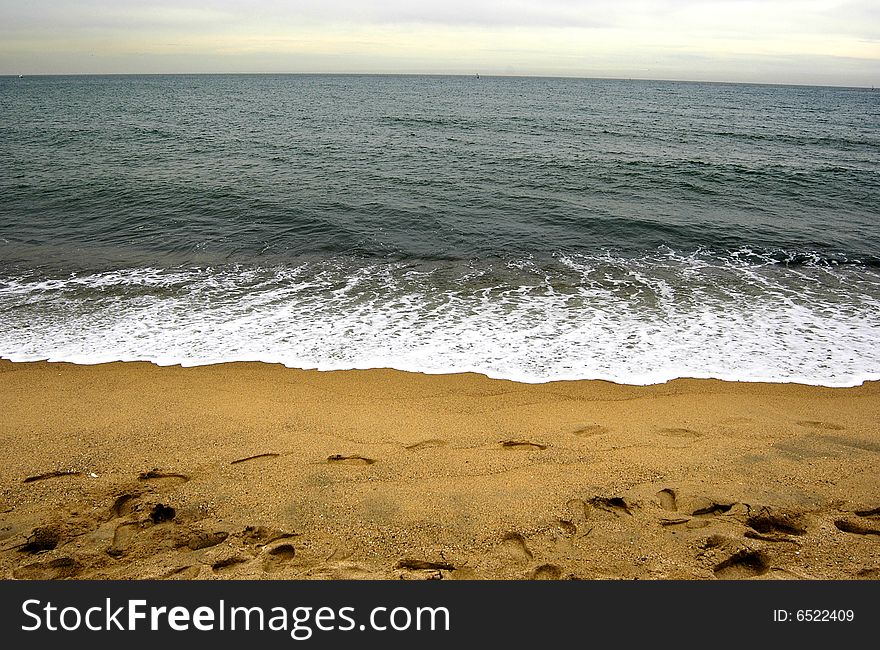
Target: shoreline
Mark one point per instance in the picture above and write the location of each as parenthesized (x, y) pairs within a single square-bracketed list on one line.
[(256, 470), (867, 378)]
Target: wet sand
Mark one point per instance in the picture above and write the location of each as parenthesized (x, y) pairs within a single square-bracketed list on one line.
[(248, 470)]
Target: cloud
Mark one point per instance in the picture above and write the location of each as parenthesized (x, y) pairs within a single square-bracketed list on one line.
[(773, 40)]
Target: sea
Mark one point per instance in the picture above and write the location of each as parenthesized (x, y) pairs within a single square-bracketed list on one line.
[(531, 229)]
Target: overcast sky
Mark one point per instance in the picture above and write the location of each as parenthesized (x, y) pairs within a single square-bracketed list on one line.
[(782, 41)]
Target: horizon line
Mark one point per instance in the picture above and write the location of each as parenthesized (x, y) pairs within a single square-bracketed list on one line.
[(428, 74)]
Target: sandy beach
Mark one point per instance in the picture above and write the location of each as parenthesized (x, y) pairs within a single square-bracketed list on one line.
[(248, 470)]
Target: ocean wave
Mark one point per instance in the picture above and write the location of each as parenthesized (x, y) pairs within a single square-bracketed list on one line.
[(746, 315)]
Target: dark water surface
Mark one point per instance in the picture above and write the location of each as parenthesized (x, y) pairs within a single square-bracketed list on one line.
[(526, 228)]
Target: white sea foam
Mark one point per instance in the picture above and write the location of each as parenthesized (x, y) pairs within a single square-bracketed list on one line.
[(629, 321)]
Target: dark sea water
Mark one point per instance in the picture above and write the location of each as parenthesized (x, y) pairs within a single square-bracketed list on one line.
[(525, 228)]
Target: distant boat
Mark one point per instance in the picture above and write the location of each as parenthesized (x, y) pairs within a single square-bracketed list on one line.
[(20, 76), (477, 75)]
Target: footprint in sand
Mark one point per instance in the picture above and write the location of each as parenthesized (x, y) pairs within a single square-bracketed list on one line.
[(770, 521), (679, 432), (270, 454), (228, 562), (48, 475), (43, 538), (857, 527), (513, 547), (204, 539), (276, 557), (577, 510), (565, 527), (122, 507), (744, 564), (704, 506), (854, 443), (62, 567), (522, 445), (426, 444), (666, 497), (122, 537), (163, 479), (183, 573), (546, 572), (262, 535), (339, 459), (615, 505), (590, 430), (676, 523), (816, 424)]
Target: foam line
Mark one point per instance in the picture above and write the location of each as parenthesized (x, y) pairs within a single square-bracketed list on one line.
[(632, 321)]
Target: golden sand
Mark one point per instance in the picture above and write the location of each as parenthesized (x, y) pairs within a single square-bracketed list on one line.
[(248, 470)]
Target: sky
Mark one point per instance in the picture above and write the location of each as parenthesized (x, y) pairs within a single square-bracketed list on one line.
[(833, 42)]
